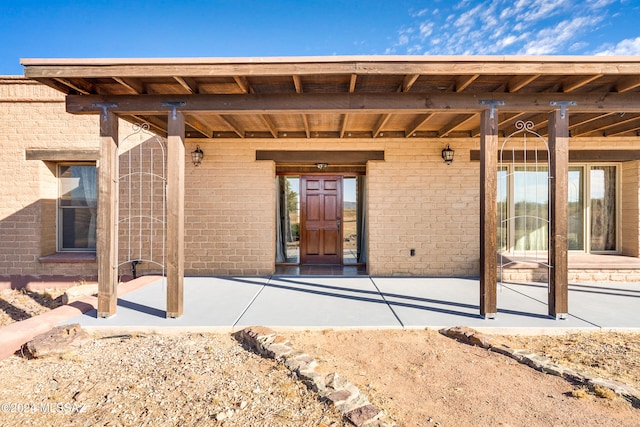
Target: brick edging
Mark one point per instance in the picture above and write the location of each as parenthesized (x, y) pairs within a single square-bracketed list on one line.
[(330, 387), (541, 363)]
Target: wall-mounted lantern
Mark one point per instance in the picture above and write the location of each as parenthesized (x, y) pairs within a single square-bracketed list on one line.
[(447, 155), (196, 156)]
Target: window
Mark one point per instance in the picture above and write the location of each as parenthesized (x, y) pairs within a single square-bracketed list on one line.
[(77, 203), (523, 208)]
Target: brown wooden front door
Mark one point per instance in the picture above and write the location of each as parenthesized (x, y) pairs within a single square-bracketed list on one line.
[(321, 217)]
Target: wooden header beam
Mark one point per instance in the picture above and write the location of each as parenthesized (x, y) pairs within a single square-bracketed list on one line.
[(365, 103)]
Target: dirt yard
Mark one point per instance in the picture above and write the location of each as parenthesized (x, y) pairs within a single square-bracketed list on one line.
[(419, 377)]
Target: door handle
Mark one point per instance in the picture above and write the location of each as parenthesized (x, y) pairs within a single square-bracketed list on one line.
[(338, 223)]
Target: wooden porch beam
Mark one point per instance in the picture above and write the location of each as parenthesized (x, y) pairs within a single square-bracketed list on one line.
[(175, 215), (365, 103), (107, 220), (558, 296), (488, 214)]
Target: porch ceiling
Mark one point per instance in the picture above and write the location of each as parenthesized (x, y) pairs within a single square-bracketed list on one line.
[(353, 97)]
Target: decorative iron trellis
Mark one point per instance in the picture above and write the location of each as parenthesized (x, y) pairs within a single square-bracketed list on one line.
[(524, 223), (142, 205)]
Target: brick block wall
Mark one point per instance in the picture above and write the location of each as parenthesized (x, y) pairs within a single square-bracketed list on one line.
[(34, 116)]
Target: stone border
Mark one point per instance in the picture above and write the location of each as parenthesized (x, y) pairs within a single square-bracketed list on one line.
[(541, 363), (330, 387)]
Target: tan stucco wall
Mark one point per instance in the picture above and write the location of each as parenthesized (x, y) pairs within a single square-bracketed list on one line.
[(414, 200)]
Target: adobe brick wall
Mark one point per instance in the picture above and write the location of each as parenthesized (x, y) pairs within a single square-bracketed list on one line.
[(34, 116)]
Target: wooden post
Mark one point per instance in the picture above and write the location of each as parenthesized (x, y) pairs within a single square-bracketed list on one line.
[(558, 297), (107, 219), (175, 214), (488, 213)]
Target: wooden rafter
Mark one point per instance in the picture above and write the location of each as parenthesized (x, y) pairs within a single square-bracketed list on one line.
[(420, 120), (199, 126), (344, 124), (627, 84), (131, 85), (634, 128), (190, 87), (518, 82), (237, 129), (380, 124), (243, 83), (408, 82), (464, 81), (606, 123), (455, 124), (570, 87), (73, 86), (305, 120), (272, 127), (577, 121)]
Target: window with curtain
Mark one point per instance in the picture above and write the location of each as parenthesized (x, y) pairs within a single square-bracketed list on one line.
[(77, 207), (592, 208)]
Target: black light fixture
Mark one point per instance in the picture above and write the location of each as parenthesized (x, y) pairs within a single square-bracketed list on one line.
[(196, 156), (447, 155)]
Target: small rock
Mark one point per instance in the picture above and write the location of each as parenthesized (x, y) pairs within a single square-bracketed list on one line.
[(60, 340)]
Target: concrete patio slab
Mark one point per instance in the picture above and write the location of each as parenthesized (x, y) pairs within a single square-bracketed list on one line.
[(320, 302), (293, 302), (210, 302)]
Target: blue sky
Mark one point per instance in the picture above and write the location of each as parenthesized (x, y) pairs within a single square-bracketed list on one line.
[(234, 28)]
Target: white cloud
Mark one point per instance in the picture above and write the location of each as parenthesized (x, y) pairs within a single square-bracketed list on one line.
[(628, 47), (533, 27)]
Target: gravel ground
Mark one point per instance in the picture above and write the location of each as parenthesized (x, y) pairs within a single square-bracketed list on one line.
[(20, 305), (186, 380)]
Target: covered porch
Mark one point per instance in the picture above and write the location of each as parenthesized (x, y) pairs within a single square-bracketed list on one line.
[(398, 105)]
